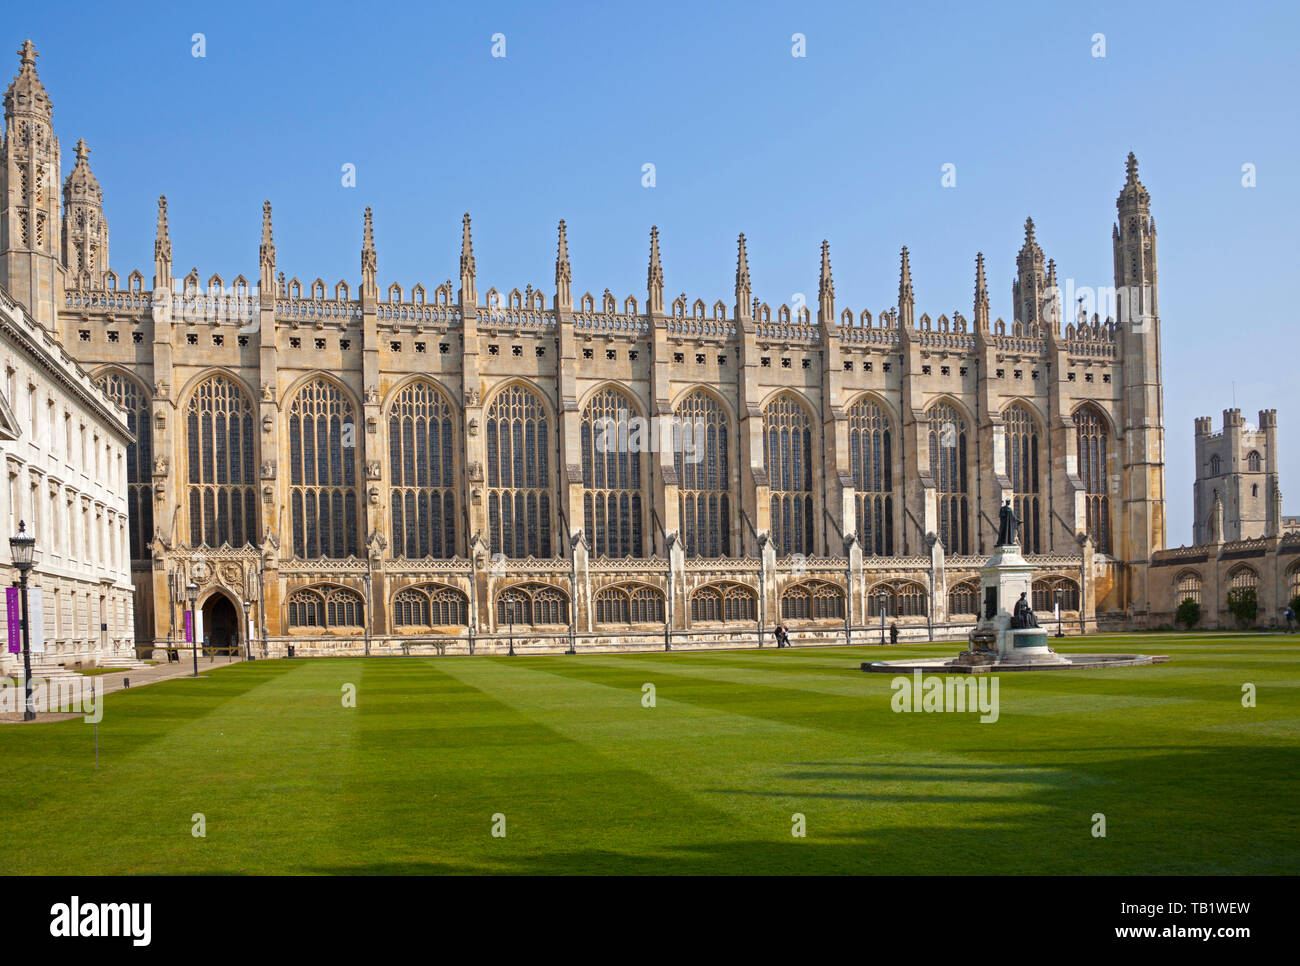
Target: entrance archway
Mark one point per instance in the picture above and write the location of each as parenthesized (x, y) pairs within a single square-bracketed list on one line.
[(220, 625)]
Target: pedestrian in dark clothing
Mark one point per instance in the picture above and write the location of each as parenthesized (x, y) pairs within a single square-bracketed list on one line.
[(782, 638), (893, 633)]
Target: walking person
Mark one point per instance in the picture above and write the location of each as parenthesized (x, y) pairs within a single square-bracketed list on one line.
[(1290, 620), (893, 632)]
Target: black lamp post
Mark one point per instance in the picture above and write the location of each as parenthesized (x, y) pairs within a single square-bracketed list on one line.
[(192, 596), (23, 547), (510, 616), (884, 600), (1059, 595)]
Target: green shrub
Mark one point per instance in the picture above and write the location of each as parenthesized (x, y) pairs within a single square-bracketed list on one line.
[(1243, 604), (1189, 613)]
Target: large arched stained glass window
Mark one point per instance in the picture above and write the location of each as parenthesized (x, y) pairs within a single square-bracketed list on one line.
[(949, 468), (322, 472), (519, 474), (871, 460), (325, 606), (532, 604), (422, 488), (704, 476), (219, 441), (1094, 451), (131, 396), (787, 454), (1022, 468), (629, 604), (611, 476), (429, 605)]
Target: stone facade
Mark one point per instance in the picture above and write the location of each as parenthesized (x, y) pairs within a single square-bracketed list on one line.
[(64, 445), (1240, 537), (1236, 495), (356, 466)]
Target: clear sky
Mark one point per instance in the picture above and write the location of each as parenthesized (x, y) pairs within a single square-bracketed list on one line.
[(846, 143)]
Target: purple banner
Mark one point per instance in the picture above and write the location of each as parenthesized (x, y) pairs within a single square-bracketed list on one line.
[(13, 620), (189, 628)]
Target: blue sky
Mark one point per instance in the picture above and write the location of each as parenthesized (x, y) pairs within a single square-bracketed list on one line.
[(846, 143)]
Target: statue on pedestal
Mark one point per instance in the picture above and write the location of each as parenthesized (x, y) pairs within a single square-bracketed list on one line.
[(1023, 616), (1008, 525)]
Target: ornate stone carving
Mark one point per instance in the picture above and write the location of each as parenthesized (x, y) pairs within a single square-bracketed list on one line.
[(232, 575), (372, 469)]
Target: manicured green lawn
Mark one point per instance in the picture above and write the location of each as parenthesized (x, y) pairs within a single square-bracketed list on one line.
[(589, 780)]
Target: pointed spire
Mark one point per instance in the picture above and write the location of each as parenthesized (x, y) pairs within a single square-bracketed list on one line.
[(162, 243), (563, 271), (744, 294), (162, 248), (906, 298), (466, 247), (826, 286), (655, 274), (81, 185), (266, 254), (369, 257), (1133, 195), (468, 293), (1052, 300), (26, 93), (981, 295)]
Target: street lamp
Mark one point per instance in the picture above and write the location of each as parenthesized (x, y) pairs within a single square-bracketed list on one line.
[(23, 547), (884, 601), (510, 616), (192, 596), (1059, 595)]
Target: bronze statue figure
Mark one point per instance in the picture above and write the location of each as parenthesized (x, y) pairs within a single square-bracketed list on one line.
[(1008, 525), (1023, 615)]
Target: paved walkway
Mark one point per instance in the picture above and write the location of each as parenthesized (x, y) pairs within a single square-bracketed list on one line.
[(162, 671), (140, 676)]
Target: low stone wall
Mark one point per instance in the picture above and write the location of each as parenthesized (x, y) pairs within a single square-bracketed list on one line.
[(524, 643)]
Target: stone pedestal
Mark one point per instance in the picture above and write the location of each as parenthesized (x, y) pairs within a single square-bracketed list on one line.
[(1003, 579)]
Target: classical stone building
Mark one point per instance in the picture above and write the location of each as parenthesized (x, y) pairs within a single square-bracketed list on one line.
[(64, 445), (1240, 538), (363, 464)]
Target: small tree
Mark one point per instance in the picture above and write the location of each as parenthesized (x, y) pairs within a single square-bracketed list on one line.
[(1243, 604), (1295, 606), (1189, 613)]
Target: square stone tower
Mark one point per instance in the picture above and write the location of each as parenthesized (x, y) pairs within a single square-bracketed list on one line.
[(1236, 494)]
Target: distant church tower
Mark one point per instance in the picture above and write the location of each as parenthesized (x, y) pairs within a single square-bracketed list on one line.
[(1237, 477), (30, 256)]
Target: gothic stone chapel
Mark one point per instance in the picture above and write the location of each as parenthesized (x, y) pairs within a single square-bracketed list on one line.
[(360, 464)]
